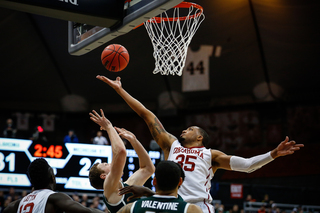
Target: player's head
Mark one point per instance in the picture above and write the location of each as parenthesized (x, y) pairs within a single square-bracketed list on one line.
[(168, 176), (182, 174), (41, 174), (194, 134), (98, 174)]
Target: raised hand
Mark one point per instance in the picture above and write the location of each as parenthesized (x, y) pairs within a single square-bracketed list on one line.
[(116, 84), (286, 147), (123, 133), (102, 121)]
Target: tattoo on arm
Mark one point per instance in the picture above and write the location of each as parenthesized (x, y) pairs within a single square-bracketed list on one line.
[(156, 128)]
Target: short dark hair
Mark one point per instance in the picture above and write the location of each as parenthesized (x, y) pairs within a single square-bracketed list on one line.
[(40, 174), (205, 140), (94, 177), (181, 170), (168, 175)]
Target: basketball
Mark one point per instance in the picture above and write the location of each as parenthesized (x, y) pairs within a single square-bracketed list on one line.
[(115, 57)]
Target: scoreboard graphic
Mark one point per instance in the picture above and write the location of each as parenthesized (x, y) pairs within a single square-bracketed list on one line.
[(71, 162)]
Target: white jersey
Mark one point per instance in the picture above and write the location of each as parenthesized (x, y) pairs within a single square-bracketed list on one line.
[(36, 201), (196, 163)]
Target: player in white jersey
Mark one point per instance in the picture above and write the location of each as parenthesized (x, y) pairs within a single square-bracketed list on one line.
[(196, 163), (43, 199), (191, 154)]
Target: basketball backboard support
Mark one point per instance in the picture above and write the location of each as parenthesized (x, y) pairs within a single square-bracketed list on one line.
[(104, 13), (84, 37)]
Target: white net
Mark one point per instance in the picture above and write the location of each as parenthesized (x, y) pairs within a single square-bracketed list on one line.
[(170, 34)]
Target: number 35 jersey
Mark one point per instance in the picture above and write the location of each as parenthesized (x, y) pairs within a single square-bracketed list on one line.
[(35, 201), (196, 163)]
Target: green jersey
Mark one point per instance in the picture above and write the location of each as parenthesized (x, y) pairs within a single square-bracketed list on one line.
[(160, 204), (113, 208)]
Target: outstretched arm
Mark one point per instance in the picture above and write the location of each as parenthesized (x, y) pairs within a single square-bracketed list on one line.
[(146, 166), (119, 155), (221, 160), (160, 135)]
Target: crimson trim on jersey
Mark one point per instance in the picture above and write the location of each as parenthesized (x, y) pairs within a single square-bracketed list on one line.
[(204, 201), (194, 147)]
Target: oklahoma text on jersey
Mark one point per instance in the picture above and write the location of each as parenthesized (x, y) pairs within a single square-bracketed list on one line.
[(188, 151)]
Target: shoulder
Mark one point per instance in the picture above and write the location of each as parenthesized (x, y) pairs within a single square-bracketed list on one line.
[(12, 207), (176, 143), (216, 153), (192, 208), (56, 196)]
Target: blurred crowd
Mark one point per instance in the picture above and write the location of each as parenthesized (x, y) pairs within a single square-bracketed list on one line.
[(266, 206), (39, 134), (95, 201)]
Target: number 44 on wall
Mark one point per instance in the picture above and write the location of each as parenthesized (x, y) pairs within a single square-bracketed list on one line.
[(196, 73)]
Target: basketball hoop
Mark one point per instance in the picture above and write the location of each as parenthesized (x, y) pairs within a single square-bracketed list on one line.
[(171, 33)]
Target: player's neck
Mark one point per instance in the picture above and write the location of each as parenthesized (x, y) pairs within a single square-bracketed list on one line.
[(192, 144), (167, 193)]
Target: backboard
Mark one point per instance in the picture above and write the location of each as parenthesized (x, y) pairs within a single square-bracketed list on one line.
[(84, 37), (96, 12)]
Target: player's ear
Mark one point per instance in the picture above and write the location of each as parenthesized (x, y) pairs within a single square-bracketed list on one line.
[(154, 181), (199, 137), (103, 176), (180, 181)]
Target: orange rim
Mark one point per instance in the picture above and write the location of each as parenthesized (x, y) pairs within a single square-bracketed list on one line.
[(181, 5)]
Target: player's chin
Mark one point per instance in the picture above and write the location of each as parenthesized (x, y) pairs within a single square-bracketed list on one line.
[(181, 139)]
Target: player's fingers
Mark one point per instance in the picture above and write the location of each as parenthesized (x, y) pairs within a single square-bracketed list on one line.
[(290, 152), (102, 113), (100, 77), (96, 114), (291, 143), (93, 112), (92, 116), (103, 78), (295, 148), (286, 139), (118, 130), (124, 190), (130, 198)]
